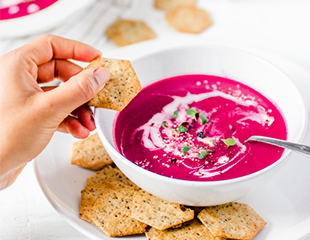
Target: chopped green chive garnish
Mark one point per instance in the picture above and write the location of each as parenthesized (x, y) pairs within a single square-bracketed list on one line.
[(214, 143), (175, 114), (229, 142), (204, 120), (203, 154), (181, 129), (185, 149), (163, 124)]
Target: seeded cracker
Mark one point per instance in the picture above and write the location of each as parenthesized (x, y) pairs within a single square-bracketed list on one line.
[(125, 32), (188, 19), (232, 220), (122, 87), (153, 234), (158, 213), (192, 230), (90, 153), (170, 4), (111, 213), (90, 194), (108, 173)]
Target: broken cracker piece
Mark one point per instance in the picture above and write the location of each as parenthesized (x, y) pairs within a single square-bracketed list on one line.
[(188, 19), (125, 32), (167, 5), (122, 86), (111, 213), (232, 220), (158, 213), (90, 153)]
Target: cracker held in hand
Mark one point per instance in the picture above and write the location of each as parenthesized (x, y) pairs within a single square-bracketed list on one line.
[(232, 220), (108, 173), (170, 4), (111, 213), (188, 19), (125, 32), (90, 153), (158, 213), (192, 230), (122, 87)]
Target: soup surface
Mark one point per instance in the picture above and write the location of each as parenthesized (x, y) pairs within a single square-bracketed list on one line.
[(194, 127)]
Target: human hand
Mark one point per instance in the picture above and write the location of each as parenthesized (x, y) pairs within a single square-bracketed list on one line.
[(29, 115)]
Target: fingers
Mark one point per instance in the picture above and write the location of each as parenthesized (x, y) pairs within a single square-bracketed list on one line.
[(74, 127), (47, 47), (57, 68), (85, 116), (79, 125), (75, 92)]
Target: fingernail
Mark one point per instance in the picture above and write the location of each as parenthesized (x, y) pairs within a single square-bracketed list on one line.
[(102, 75)]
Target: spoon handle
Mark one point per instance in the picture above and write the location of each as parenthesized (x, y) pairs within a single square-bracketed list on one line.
[(281, 143)]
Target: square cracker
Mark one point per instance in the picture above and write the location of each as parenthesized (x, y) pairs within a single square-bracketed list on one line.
[(232, 220), (108, 173), (188, 19), (90, 153), (90, 194), (170, 4), (125, 32), (111, 213), (192, 230), (158, 213), (122, 86)]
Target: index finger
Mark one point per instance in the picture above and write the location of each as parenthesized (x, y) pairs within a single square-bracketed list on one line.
[(47, 47)]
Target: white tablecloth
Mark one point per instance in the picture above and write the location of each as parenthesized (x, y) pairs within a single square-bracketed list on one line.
[(278, 26)]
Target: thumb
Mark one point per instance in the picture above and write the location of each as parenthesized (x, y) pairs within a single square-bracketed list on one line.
[(78, 90)]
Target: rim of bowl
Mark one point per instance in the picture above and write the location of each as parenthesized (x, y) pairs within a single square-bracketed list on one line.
[(299, 135)]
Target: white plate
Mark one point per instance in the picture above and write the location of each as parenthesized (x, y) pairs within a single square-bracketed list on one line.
[(284, 203), (43, 20)]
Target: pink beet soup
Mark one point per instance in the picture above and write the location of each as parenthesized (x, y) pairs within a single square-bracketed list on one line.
[(194, 127)]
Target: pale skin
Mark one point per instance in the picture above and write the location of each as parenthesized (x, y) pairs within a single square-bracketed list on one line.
[(30, 114)]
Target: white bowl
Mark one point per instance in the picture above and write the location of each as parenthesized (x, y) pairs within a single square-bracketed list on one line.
[(214, 60)]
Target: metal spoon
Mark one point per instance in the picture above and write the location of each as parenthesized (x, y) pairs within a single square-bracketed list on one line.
[(304, 149)]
